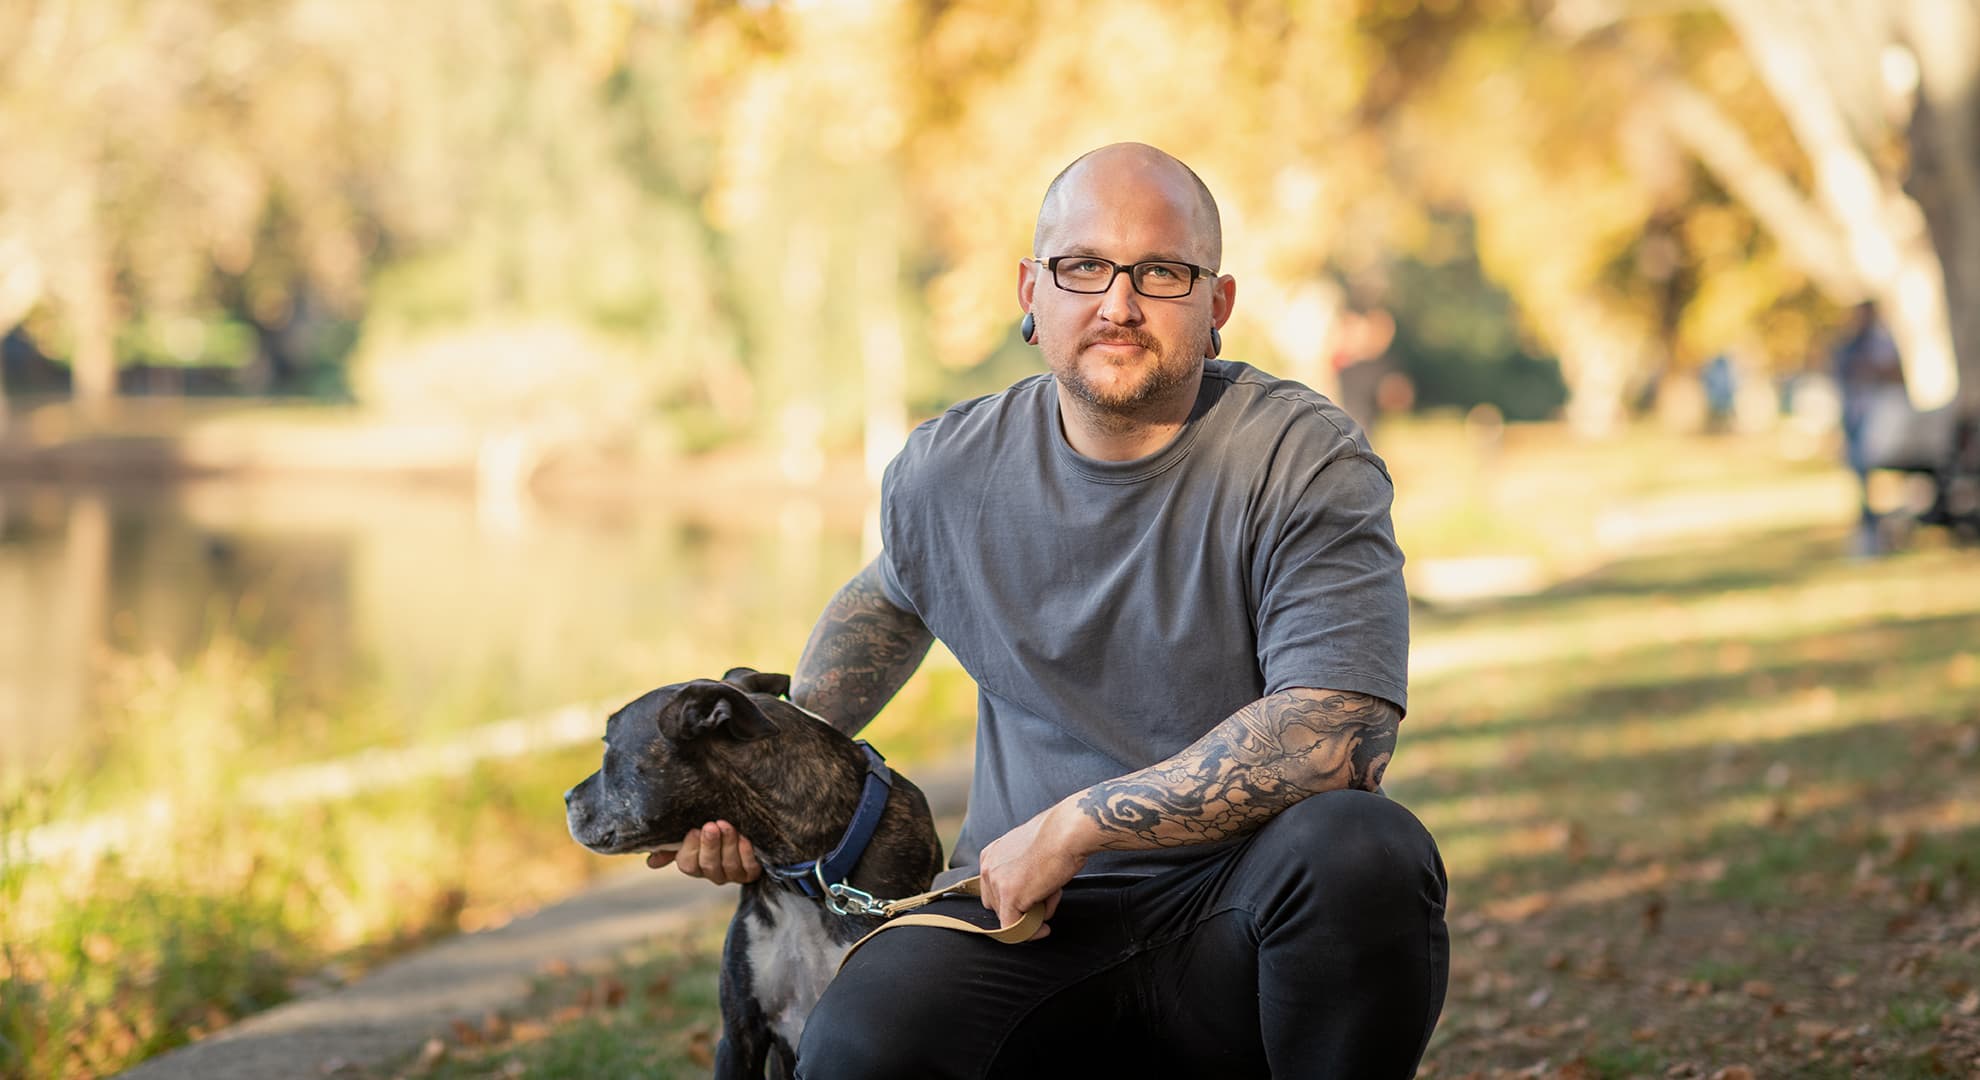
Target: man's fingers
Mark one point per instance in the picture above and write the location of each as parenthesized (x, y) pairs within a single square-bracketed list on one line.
[(751, 868), (715, 852), (689, 857), (733, 866), (1051, 908), (711, 854)]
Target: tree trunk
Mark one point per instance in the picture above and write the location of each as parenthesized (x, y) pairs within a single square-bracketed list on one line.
[(92, 322), (1945, 166), (20, 289), (1598, 360)]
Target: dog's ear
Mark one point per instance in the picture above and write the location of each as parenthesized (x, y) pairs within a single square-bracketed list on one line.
[(758, 682), (705, 706)]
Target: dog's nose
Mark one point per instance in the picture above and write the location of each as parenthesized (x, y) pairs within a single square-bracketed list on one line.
[(568, 794)]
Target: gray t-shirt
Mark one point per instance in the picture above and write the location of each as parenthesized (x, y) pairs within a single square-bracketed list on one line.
[(1113, 612)]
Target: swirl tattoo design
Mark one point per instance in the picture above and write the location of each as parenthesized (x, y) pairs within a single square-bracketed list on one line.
[(860, 652), (1267, 756)]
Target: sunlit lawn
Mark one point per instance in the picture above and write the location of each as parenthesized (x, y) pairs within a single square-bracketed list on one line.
[(1708, 810)]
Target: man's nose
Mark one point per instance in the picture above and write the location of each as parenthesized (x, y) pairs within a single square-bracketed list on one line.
[(1120, 304)]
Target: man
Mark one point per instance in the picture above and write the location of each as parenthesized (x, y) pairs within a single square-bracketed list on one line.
[(1176, 585)]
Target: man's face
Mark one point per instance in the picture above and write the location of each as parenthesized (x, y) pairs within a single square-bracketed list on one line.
[(1119, 351)]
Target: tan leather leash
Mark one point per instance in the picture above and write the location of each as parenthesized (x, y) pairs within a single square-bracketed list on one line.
[(896, 914)]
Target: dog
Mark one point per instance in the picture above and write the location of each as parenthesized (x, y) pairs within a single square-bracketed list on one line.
[(736, 750)]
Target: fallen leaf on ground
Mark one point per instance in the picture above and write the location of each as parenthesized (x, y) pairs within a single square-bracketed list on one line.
[(701, 1047)]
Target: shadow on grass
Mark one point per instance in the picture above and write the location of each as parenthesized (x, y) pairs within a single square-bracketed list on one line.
[(1872, 655), (1769, 559), (1811, 800)]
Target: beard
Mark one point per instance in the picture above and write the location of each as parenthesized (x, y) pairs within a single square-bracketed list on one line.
[(1156, 377)]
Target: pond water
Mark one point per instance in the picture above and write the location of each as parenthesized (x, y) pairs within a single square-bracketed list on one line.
[(390, 609)]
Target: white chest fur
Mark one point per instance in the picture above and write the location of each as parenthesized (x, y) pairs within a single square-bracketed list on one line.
[(791, 958)]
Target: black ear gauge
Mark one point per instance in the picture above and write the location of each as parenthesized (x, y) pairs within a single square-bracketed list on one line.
[(1028, 329), (1216, 342)]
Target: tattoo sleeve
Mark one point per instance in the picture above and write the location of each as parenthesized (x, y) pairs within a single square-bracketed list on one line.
[(1267, 756), (860, 652)]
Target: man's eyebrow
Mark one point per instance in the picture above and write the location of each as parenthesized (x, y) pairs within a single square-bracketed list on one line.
[(1150, 256)]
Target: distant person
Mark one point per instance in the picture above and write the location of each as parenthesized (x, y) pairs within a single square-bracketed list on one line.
[(1866, 367), (1720, 381), (1360, 361)]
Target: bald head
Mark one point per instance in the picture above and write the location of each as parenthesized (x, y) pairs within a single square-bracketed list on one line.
[(1128, 170)]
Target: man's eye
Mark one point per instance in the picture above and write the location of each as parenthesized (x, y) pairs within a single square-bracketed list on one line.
[(1088, 266), (1161, 270)]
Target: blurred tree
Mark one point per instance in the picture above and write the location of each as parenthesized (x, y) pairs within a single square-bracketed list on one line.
[(1457, 337), (185, 160), (1881, 198), (744, 218), (1618, 254)]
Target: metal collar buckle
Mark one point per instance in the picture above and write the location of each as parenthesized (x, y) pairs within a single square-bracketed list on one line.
[(843, 899)]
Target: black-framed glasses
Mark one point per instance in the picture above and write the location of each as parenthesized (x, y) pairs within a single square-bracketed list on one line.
[(1160, 279)]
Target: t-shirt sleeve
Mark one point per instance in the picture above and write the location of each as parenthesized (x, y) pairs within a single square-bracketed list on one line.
[(1333, 612), (896, 533)]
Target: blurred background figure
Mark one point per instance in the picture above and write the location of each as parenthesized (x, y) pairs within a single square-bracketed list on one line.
[(1360, 360), (1871, 381), (1719, 379)]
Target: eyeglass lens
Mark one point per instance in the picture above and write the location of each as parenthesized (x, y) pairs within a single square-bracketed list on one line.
[(1093, 275)]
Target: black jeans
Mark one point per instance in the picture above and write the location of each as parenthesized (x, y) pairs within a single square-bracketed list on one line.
[(1315, 948)]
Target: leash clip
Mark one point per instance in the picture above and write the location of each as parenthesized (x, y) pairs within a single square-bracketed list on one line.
[(843, 899)]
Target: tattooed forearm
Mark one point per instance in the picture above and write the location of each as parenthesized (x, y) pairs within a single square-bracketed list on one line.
[(1266, 757), (860, 653)]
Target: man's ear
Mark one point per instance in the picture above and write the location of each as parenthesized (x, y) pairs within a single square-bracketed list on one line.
[(758, 682), (704, 706), (1223, 299)]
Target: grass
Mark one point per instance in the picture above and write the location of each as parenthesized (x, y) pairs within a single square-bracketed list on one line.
[(224, 915), (650, 1014)]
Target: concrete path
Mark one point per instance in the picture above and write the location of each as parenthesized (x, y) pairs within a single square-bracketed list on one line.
[(387, 1015)]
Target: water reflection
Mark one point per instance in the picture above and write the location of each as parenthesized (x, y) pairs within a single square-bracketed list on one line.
[(396, 601)]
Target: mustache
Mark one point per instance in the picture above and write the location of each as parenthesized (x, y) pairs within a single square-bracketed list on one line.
[(1123, 336)]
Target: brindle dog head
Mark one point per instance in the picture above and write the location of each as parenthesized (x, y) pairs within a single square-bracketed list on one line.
[(704, 751)]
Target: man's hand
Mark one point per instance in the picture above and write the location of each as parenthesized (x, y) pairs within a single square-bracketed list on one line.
[(715, 852), (1031, 864)]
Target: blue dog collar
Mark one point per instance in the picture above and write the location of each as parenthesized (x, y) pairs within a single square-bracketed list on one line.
[(814, 874)]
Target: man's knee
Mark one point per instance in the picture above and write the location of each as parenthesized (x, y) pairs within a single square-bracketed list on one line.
[(1353, 843)]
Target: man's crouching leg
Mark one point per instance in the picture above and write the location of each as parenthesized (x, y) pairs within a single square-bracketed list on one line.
[(1347, 892), (1316, 947)]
